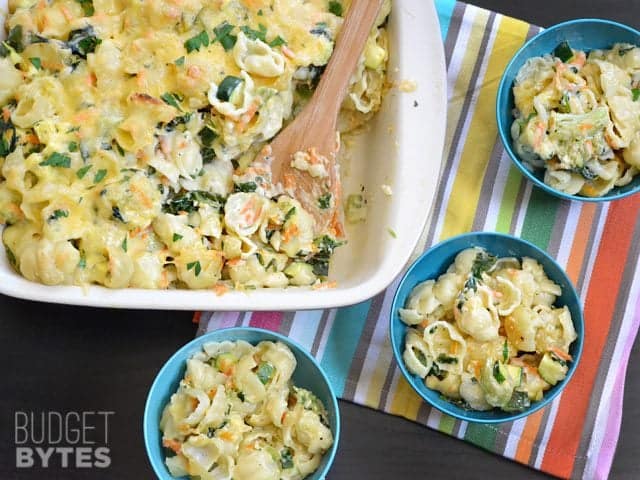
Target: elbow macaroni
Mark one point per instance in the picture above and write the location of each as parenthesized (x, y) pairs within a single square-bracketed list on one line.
[(237, 414), (500, 343), (126, 154)]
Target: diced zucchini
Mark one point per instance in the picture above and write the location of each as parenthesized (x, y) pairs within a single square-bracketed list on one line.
[(519, 401), (225, 362), (552, 369), (300, 273), (227, 87), (516, 374), (356, 208)]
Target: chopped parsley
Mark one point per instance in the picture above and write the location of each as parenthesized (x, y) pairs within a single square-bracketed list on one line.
[(73, 147), (224, 36), (56, 160), (124, 244), (99, 176), (623, 51), (324, 201), (83, 171), (335, 8), (197, 42), (505, 351), (58, 214), (36, 62), (635, 94), (180, 61), (177, 237), (195, 266)]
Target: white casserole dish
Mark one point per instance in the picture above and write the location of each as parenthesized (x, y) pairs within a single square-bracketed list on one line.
[(401, 148)]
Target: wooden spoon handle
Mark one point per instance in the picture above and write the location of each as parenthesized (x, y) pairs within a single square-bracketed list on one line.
[(355, 30)]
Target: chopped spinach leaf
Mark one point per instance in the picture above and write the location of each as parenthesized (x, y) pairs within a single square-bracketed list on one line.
[(286, 458), (72, 147), (124, 244), (505, 351), (635, 94), (335, 8), (623, 51), (442, 358), (8, 137), (87, 7), (189, 202), (14, 40), (563, 52), (171, 99), (276, 42), (497, 373), (83, 41), (180, 61), (324, 201), (208, 154), (36, 62), (320, 260), (177, 237), (58, 214), (320, 30), (207, 135), (290, 213), (246, 187), (260, 34), (115, 213)]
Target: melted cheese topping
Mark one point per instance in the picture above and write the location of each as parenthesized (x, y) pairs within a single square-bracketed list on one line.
[(128, 131)]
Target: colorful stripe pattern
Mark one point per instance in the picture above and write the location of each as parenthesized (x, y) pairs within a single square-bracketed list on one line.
[(597, 244)]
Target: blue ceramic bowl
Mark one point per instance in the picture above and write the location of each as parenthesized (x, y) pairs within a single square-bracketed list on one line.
[(308, 374), (435, 262), (586, 35)]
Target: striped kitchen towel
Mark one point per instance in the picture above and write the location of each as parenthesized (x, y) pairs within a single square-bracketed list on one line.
[(597, 244)]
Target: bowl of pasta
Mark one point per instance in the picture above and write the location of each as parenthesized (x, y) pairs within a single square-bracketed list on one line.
[(242, 403), (486, 327), (568, 110)]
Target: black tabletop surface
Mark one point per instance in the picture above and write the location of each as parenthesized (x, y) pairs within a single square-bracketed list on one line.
[(101, 363)]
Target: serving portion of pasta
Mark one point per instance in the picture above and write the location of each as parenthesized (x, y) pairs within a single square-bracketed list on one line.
[(578, 117), (128, 132), (238, 415), (486, 333)]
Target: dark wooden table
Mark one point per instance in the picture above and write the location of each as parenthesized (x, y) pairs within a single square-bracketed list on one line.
[(69, 359)]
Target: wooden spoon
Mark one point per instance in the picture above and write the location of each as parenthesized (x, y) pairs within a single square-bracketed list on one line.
[(313, 133)]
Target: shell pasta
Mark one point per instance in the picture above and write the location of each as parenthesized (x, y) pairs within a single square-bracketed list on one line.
[(487, 334), (578, 117), (238, 415), (128, 132)]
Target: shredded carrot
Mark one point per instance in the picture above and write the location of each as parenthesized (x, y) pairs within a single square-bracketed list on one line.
[(212, 392), (453, 348), (284, 415), (67, 14), (220, 289), (563, 355), (6, 114), (586, 127), (226, 436), (140, 79), (142, 197), (424, 323), (32, 139), (288, 52), (172, 444), (290, 232), (194, 72), (326, 285)]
